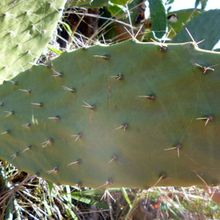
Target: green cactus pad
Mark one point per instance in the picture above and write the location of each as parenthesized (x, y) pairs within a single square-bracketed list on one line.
[(203, 28), (26, 28), (180, 19), (130, 114)]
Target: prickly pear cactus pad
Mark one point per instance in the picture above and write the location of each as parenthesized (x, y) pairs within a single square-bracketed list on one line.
[(130, 114), (26, 28)]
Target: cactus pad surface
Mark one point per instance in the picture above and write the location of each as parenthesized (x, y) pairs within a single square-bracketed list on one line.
[(203, 28), (26, 28), (129, 114)]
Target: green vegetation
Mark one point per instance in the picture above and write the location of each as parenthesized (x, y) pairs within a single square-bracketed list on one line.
[(129, 101), (26, 29), (106, 123)]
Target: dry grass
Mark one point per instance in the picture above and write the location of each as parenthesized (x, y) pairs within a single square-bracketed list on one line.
[(30, 197)]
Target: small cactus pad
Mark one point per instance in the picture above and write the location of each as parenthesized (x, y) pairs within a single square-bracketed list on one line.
[(26, 28), (130, 114)]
